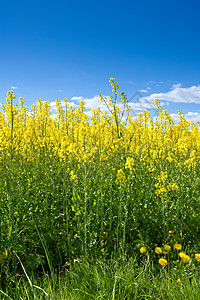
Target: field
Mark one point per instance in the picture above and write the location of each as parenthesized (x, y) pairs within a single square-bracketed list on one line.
[(100, 208)]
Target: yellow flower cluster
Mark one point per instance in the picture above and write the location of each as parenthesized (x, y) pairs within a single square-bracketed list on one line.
[(185, 258), (120, 176), (129, 164), (162, 188), (71, 135), (167, 248)]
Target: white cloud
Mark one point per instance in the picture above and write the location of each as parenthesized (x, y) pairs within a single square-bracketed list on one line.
[(143, 91), (178, 94), (14, 87), (177, 85), (192, 116), (60, 91), (79, 98)]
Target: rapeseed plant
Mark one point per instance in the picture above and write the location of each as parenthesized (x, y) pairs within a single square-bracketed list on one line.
[(96, 185)]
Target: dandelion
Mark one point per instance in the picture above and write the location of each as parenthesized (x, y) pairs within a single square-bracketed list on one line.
[(181, 254), (162, 261), (143, 249), (167, 248), (177, 247), (197, 257), (185, 258), (5, 253), (158, 250)]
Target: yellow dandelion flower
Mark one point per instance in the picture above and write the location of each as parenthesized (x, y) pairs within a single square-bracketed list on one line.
[(181, 254), (197, 257), (177, 247), (162, 261), (5, 253), (185, 258), (158, 250), (179, 281), (143, 249), (167, 248)]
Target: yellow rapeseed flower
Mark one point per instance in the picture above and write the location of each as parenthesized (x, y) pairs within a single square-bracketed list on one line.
[(120, 176), (158, 250), (162, 261), (143, 249)]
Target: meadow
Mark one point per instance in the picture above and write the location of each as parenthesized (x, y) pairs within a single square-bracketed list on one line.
[(106, 207)]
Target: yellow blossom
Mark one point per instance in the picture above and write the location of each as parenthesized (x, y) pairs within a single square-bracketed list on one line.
[(143, 249), (185, 258), (167, 248), (177, 247), (197, 257), (162, 261), (158, 250), (120, 176), (181, 254)]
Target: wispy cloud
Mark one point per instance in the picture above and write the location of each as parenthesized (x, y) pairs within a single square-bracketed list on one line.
[(14, 87), (178, 94), (143, 91), (131, 82), (155, 83), (79, 98), (174, 86)]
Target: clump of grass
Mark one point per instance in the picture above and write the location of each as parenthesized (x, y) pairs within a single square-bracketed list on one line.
[(113, 279)]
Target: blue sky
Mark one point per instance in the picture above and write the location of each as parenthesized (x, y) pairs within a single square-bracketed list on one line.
[(57, 49)]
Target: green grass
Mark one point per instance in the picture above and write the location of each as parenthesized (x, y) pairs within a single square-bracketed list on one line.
[(47, 220), (115, 279)]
